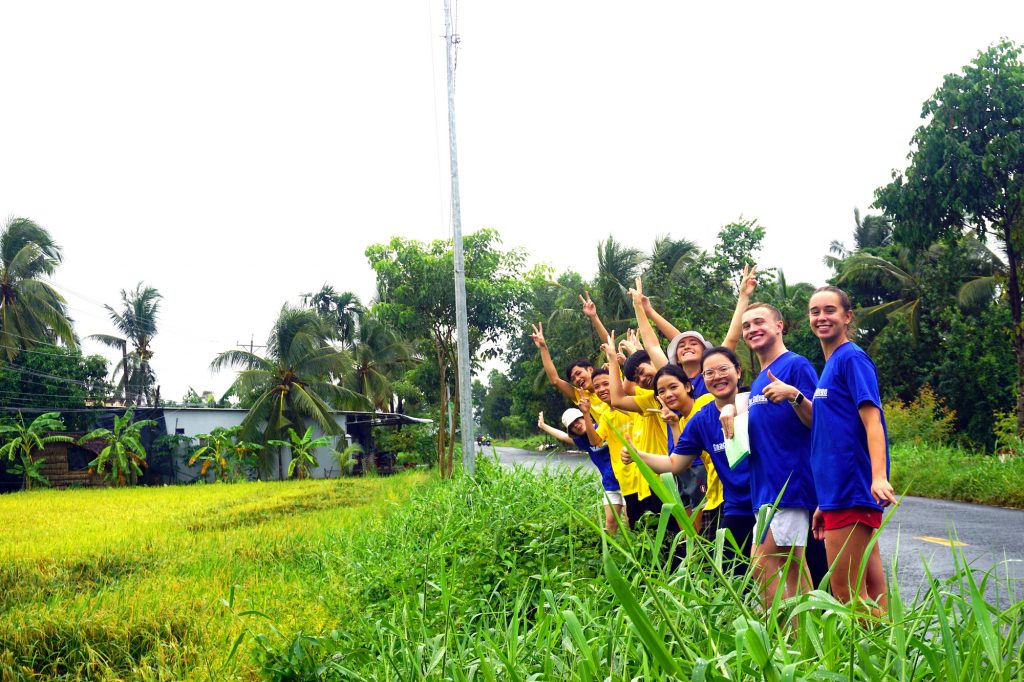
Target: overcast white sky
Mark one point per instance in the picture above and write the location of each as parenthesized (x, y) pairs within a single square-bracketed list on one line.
[(236, 154)]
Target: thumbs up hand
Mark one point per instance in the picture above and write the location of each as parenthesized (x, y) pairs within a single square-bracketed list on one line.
[(778, 390)]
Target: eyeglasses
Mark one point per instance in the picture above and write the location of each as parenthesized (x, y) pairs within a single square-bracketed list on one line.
[(712, 373)]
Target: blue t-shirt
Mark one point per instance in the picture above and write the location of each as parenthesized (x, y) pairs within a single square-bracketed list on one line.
[(780, 444), (699, 388), (672, 444), (601, 459), (703, 433), (839, 443)]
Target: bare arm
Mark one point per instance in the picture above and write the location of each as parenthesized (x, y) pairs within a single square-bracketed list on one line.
[(619, 399), (590, 310), (592, 436), (647, 333), (667, 329), (564, 387), (553, 432), (660, 464), (881, 489), (747, 286)]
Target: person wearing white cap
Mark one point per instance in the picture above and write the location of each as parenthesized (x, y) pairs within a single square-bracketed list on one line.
[(580, 433)]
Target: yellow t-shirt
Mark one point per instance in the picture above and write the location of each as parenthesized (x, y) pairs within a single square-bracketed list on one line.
[(629, 476), (598, 408), (714, 496), (650, 434)]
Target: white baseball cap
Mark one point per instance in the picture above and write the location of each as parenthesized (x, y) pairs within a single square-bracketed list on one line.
[(570, 415)]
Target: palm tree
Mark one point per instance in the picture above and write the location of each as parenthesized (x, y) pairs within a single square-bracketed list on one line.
[(872, 232), (896, 279), (668, 257), (123, 452), (137, 324), (343, 309), (31, 311), (28, 439), (295, 382), (379, 358), (617, 268)]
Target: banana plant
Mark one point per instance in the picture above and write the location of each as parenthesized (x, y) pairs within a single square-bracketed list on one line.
[(124, 454), (302, 451), (24, 440)]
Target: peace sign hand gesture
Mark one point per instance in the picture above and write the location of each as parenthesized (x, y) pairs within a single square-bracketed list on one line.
[(538, 335), (748, 282), (609, 348), (589, 307)]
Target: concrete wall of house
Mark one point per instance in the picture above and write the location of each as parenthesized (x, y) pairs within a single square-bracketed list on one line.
[(195, 420)]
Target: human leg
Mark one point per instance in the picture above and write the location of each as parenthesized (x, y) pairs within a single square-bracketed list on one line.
[(846, 547)]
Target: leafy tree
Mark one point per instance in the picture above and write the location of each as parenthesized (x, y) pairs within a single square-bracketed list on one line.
[(295, 382), (342, 309), (123, 452), (54, 377), (32, 313), (303, 448), (416, 293), (966, 171), (22, 441), (136, 322)]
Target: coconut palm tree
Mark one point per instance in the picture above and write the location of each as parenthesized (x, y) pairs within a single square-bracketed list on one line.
[(617, 268), (137, 323), (895, 277), (22, 441), (379, 358), (295, 382), (342, 308), (31, 311)]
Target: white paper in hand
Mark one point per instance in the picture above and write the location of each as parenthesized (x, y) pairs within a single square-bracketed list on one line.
[(738, 447)]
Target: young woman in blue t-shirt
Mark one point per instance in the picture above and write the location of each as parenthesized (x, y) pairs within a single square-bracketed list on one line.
[(720, 369), (849, 452)]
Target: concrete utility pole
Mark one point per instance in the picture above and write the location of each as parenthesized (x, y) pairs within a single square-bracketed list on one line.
[(451, 41)]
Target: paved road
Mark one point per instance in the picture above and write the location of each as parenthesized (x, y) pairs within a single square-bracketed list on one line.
[(918, 534)]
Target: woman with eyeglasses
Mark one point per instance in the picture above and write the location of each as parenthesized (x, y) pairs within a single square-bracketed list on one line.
[(720, 369), (849, 453)]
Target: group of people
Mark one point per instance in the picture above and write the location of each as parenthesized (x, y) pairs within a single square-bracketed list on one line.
[(817, 473)]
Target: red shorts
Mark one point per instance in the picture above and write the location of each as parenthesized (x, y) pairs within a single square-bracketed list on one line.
[(841, 518)]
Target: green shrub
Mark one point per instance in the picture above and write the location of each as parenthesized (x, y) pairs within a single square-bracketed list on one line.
[(923, 420), (1009, 441)]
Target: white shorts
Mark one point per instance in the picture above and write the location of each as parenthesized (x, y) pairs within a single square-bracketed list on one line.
[(613, 497), (789, 525)]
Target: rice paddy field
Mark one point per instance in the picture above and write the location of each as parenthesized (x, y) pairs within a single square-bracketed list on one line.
[(130, 583), (501, 576)]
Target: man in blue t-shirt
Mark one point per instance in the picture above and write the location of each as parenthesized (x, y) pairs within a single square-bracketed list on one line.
[(781, 480)]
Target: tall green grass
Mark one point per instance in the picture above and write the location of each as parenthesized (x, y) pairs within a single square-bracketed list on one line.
[(507, 576), (951, 473)]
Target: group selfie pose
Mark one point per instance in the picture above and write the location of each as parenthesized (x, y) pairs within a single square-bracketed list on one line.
[(792, 465)]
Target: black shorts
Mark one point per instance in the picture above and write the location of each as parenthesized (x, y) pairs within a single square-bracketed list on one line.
[(693, 486)]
